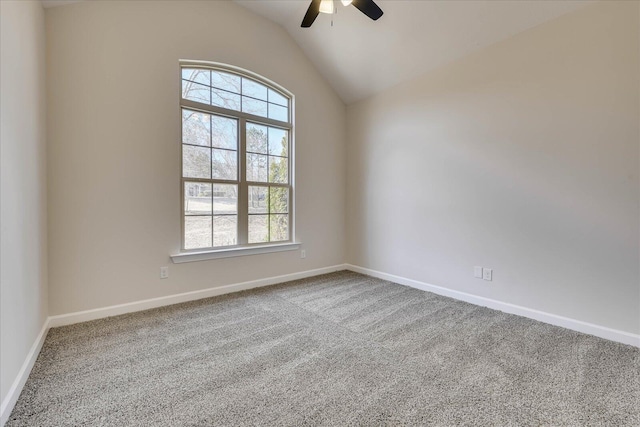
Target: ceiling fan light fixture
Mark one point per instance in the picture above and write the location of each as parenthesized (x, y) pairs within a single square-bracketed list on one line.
[(326, 6), (368, 7)]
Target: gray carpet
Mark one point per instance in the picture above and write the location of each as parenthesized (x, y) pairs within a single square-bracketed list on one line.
[(337, 349)]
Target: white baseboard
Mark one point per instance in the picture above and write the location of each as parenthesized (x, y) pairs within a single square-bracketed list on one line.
[(16, 388), (553, 319), (115, 310)]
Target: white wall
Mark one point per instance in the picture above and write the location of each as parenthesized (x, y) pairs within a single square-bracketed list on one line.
[(23, 210), (114, 147), (523, 158)]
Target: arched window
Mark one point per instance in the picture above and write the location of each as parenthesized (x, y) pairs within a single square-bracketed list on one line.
[(237, 132)]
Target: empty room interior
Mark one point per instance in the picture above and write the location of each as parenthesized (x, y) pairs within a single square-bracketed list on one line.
[(320, 212)]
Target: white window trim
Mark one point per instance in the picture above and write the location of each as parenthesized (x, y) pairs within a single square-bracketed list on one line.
[(234, 252), (192, 255)]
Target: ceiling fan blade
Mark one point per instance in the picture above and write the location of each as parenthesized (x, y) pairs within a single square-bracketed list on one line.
[(369, 8), (312, 14)]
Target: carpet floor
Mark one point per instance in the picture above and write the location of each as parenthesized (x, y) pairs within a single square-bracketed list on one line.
[(338, 349)]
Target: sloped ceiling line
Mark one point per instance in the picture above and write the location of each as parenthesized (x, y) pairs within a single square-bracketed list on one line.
[(361, 57)]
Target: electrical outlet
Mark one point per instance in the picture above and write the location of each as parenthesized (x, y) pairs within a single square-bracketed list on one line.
[(487, 274), (164, 272), (303, 254), (477, 272)]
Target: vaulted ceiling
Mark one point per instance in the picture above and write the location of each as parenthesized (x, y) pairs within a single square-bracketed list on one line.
[(360, 57)]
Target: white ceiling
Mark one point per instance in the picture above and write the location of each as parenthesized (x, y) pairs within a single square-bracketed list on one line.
[(360, 57)]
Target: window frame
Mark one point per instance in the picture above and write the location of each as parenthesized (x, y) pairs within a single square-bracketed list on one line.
[(243, 246)]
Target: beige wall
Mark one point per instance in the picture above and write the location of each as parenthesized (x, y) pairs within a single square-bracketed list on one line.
[(114, 147), (23, 210), (522, 158)]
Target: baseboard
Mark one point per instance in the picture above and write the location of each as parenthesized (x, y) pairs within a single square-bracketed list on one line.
[(115, 310), (16, 388), (553, 319)]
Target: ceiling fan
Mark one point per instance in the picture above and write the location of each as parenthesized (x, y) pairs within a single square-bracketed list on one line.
[(368, 7)]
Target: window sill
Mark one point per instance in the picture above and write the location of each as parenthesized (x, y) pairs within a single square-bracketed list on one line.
[(233, 252)]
